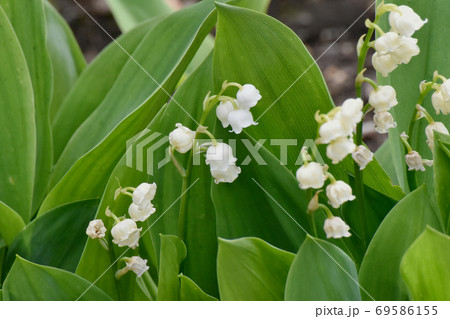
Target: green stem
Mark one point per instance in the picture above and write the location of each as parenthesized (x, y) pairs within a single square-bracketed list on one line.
[(150, 284), (359, 188)]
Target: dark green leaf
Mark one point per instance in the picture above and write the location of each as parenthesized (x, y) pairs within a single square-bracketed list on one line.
[(251, 269), (31, 282), (442, 175), (380, 269), (10, 223), (322, 271)]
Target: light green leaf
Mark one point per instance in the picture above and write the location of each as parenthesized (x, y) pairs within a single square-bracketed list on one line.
[(189, 291), (442, 175), (17, 124), (32, 282), (425, 267), (141, 103), (32, 35), (251, 269), (66, 57), (56, 239), (10, 223), (129, 14), (322, 271), (406, 79), (380, 269), (173, 252)]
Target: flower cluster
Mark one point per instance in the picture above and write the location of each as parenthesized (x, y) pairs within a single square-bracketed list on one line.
[(125, 232), (234, 112), (396, 46)]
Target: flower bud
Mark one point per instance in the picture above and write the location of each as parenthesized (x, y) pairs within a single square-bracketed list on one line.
[(182, 138), (144, 194), (383, 98), (311, 175), (222, 112), (240, 119), (248, 96), (96, 229), (335, 227), (383, 122), (362, 156), (414, 161), (339, 148), (405, 21), (140, 215), (313, 204), (126, 233), (429, 131), (441, 98), (338, 193)]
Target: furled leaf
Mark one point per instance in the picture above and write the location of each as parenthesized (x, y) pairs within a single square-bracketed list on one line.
[(32, 35), (189, 291), (32, 282), (251, 269), (380, 269), (173, 252), (442, 176), (66, 57), (425, 267), (10, 223), (17, 124), (56, 239), (322, 271)]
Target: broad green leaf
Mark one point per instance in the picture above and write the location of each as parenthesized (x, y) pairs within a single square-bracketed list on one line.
[(17, 124), (104, 133), (32, 35), (189, 291), (425, 267), (10, 223), (406, 79), (173, 252), (322, 271), (251, 269), (56, 239), (442, 175), (380, 269), (32, 282), (129, 14), (66, 57), (88, 91), (200, 239), (270, 56)]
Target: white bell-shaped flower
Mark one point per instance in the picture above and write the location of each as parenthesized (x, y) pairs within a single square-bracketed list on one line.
[(144, 194), (339, 148), (362, 156), (311, 175), (383, 98), (140, 215), (414, 161), (240, 119), (126, 233), (222, 112), (429, 131), (351, 113), (96, 229), (405, 21), (225, 175), (338, 192), (331, 130), (248, 96), (335, 227), (384, 63), (137, 265), (182, 138), (383, 122), (441, 98)]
